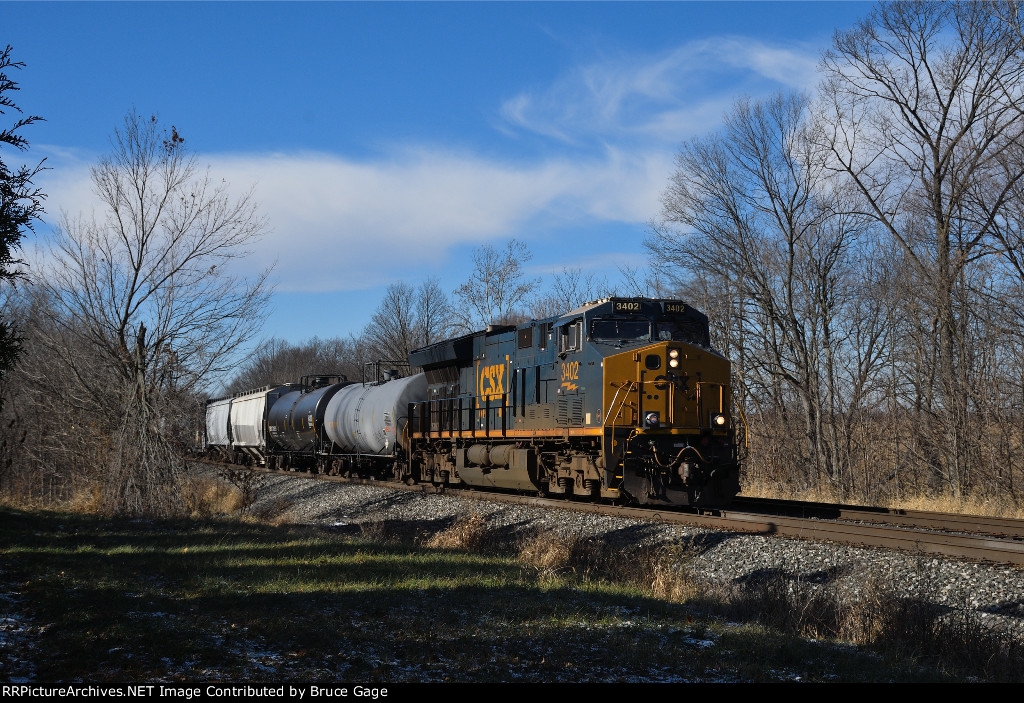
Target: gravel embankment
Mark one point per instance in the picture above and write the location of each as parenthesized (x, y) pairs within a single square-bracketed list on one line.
[(994, 593)]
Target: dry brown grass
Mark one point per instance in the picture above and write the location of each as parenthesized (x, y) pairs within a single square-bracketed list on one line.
[(992, 507), (879, 618), (779, 491), (273, 512), (999, 506), (86, 499), (376, 531), (199, 496), (205, 497), (546, 553), (654, 570), (83, 495), (469, 533)]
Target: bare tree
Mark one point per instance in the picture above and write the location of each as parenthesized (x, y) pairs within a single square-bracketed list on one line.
[(497, 288), (407, 318), (753, 225), (278, 361), (53, 433), (145, 294), (392, 331), (569, 290), (922, 104), (433, 313), (654, 281)]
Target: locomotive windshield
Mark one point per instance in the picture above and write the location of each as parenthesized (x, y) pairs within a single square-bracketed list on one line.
[(620, 330), (683, 330)]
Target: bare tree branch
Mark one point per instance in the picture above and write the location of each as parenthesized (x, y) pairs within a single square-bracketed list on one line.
[(145, 288)]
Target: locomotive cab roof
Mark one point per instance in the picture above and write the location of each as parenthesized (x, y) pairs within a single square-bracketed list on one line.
[(621, 321), (669, 318)]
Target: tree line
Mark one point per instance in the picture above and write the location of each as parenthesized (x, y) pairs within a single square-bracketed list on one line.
[(859, 253)]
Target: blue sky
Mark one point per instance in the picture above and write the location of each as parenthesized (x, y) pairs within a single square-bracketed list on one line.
[(385, 141)]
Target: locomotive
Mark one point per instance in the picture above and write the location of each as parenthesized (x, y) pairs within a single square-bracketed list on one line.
[(620, 399)]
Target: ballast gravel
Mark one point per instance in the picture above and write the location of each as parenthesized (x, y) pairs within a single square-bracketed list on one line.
[(993, 593)]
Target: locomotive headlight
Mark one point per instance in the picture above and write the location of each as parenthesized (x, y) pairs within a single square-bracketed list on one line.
[(673, 353), (718, 421), (652, 419), (673, 363)]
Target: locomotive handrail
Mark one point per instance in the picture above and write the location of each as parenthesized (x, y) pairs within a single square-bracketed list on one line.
[(629, 386), (446, 416), (701, 415), (746, 429)]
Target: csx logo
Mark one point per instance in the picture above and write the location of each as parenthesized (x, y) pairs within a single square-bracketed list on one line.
[(491, 381)]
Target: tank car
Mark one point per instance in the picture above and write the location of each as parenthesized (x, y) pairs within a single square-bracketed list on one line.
[(296, 423), (621, 398), (367, 426), (324, 424)]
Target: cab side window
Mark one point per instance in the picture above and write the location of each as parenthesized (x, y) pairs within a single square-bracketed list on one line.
[(570, 338)]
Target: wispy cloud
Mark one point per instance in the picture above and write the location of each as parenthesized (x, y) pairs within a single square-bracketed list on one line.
[(363, 221), (342, 224), (664, 97)]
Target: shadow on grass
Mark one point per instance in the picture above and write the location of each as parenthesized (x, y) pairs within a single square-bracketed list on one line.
[(144, 600)]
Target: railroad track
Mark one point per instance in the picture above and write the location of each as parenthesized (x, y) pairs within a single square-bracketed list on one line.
[(975, 538)]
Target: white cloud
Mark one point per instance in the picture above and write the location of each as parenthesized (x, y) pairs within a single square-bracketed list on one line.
[(341, 224), (665, 97)]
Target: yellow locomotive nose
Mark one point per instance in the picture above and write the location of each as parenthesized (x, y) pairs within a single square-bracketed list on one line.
[(685, 388), (667, 428)]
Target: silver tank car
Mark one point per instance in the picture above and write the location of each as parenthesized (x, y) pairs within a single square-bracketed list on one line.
[(371, 419)]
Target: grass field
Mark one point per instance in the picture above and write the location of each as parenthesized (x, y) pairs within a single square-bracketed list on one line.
[(92, 599)]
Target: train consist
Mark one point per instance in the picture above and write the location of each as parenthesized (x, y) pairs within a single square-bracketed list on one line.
[(622, 398)]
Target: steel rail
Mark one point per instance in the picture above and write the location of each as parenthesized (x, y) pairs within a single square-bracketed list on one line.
[(905, 538), (947, 522), (908, 539)]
